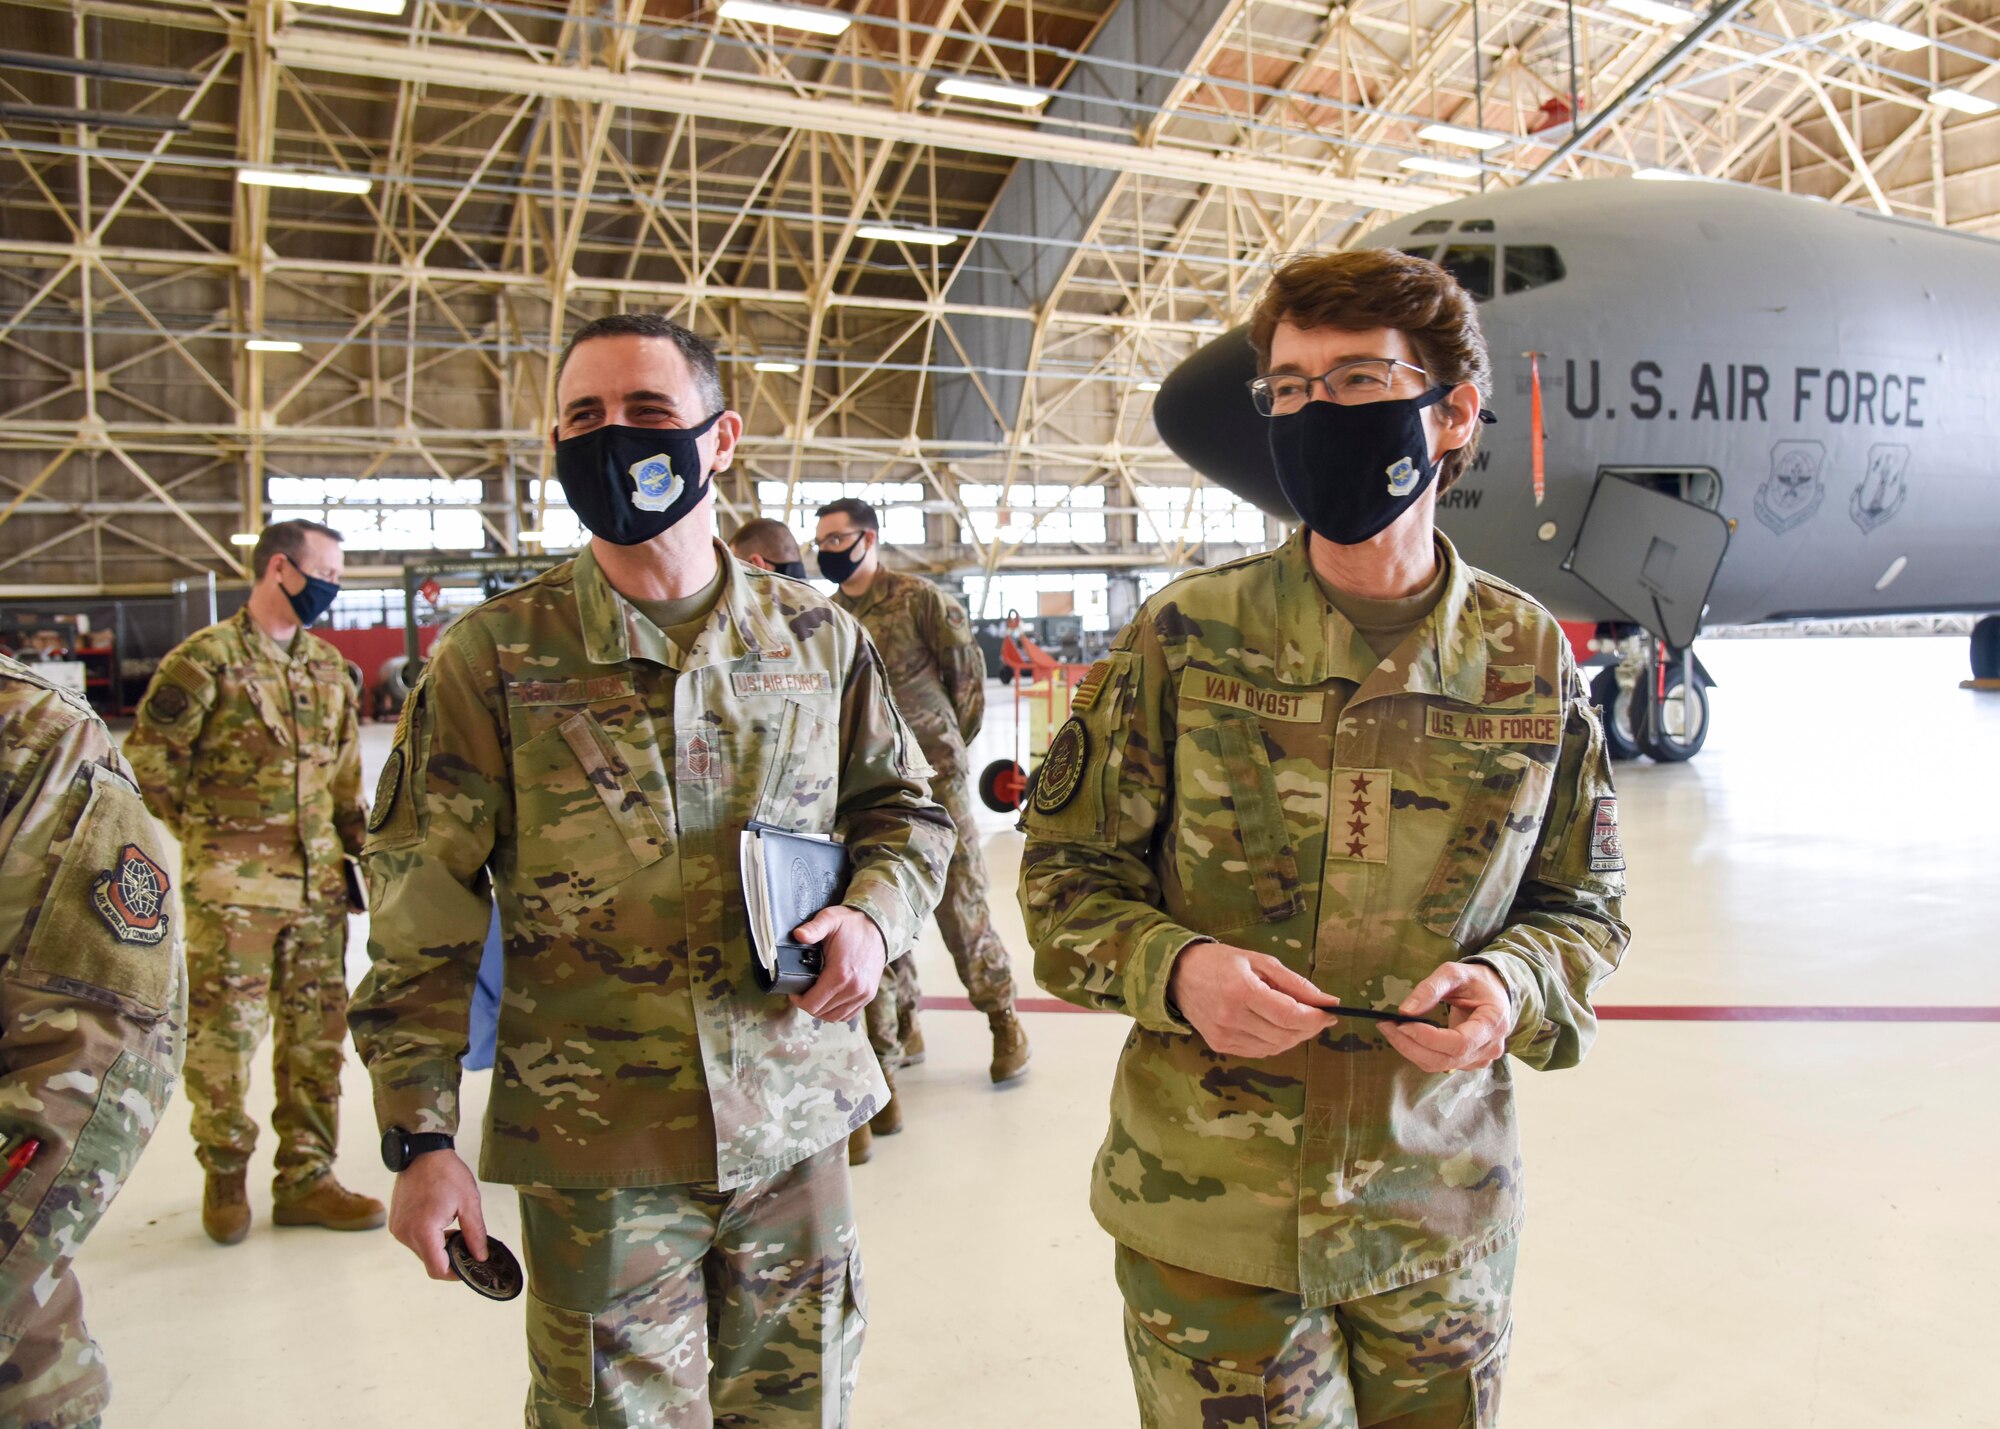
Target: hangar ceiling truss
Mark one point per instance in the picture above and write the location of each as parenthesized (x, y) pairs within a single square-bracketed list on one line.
[(808, 201)]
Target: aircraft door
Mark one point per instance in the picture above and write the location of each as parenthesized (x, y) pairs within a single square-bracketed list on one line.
[(1651, 543)]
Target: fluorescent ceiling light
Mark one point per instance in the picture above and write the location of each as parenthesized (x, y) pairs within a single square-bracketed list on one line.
[(1467, 138), (1149, 385), (1655, 11), (243, 538), (1450, 168), (265, 344), (318, 183), (1664, 176), (372, 7), (775, 366), (1964, 103), (1894, 36), (883, 233), (789, 17), (993, 93)]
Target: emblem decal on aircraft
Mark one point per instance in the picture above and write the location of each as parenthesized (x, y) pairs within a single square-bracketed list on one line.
[(1880, 495), (1793, 491)]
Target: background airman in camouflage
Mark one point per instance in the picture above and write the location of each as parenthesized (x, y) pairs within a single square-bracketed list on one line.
[(939, 676), (1351, 772), (595, 742), (93, 997), (248, 749)]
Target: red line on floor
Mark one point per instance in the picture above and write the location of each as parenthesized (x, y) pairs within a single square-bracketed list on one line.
[(1631, 1012)]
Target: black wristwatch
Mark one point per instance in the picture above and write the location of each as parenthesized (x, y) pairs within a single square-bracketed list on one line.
[(400, 1147)]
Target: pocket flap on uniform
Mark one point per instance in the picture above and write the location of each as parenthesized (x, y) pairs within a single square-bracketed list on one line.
[(561, 1354)]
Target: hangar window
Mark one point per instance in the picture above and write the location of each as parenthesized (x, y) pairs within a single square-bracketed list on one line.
[(1476, 225), (1061, 515), (1192, 514), (1472, 265), (1422, 250), (1531, 265), (1432, 225), (385, 513)]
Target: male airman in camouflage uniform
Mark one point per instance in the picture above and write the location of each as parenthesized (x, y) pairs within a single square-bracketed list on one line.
[(248, 748), (939, 676), (587, 750), (769, 546), (1350, 773), (92, 1000)]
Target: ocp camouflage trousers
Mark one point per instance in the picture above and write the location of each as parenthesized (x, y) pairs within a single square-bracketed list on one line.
[(976, 950), (248, 968), (1213, 1354), (686, 1306)]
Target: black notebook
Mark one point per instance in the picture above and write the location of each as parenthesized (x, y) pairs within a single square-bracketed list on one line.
[(788, 877)]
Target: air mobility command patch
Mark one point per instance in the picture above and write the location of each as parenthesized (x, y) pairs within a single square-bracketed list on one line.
[(168, 703), (1061, 774), (132, 897), (1607, 854), (386, 788)]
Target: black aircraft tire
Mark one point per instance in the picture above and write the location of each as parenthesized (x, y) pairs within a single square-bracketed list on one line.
[(1614, 710), (1658, 728), (1986, 648)]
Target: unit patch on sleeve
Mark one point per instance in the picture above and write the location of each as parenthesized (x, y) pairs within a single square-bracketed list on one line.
[(1358, 827), (1607, 854), (1061, 774), (386, 787), (168, 703), (132, 897)]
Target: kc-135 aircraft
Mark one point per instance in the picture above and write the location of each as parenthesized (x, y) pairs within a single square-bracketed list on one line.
[(1757, 407)]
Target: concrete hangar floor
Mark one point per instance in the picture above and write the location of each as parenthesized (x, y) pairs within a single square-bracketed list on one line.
[(1780, 1223)]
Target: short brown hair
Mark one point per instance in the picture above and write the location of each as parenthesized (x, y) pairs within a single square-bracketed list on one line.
[(698, 352), (761, 536), (1367, 288), (287, 539), (855, 510)]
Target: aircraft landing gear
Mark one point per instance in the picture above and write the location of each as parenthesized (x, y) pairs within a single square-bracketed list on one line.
[(1614, 706), (1672, 728), (1986, 648), (1665, 719)]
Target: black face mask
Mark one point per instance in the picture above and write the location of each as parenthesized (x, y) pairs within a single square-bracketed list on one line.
[(629, 484), (840, 566), (1352, 471), (315, 600), (795, 569)]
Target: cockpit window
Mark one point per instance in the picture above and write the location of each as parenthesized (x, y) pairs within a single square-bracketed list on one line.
[(1472, 265), (1422, 250), (1432, 225), (1476, 225), (1531, 265)]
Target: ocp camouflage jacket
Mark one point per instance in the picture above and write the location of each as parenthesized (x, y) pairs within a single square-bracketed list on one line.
[(1253, 774)]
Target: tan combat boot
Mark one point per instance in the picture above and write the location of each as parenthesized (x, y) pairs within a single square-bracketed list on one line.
[(328, 1203), (1010, 1045), (225, 1208), (889, 1120), (860, 1144)]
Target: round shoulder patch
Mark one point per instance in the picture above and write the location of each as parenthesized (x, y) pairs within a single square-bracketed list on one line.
[(1061, 774), (167, 704), (386, 788)]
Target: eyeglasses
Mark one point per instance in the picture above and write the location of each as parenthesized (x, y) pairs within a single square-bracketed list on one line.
[(1365, 379), (835, 541)]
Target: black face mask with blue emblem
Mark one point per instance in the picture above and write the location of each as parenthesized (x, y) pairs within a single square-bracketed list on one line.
[(629, 484), (1352, 471)]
